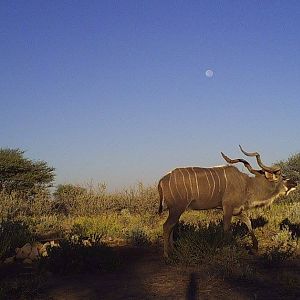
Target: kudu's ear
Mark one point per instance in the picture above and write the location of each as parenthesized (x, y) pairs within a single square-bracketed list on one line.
[(272, 176)]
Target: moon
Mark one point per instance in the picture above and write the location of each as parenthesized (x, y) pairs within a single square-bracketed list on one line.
[(209, 73)]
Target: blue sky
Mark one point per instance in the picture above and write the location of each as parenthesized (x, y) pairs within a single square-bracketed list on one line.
[(116, 92)]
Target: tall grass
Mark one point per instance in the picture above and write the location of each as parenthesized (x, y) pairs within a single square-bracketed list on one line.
[(131, 215)]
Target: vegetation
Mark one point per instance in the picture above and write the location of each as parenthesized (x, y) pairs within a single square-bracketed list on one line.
[(20, 174), (88, 219), (291, 167), (12, 235), (79, 255)]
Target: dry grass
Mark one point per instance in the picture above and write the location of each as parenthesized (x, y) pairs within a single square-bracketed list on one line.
[(116, 215), (130, 216)]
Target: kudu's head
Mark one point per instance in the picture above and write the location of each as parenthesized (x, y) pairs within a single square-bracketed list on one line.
[(271, 176)]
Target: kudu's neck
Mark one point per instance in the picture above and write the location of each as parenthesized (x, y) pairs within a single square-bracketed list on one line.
[(262, 191)]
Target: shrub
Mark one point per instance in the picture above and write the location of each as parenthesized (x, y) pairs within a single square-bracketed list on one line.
[(137, 237), (291, 167), (196, 242), (282, 246), (294, 228), (66, 198), (108, 225), (13, 234), (75, 255), (14, 206), (292, 197), (207, 244), (233, 262)]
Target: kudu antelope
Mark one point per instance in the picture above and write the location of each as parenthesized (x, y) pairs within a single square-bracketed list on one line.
[(223, 187)]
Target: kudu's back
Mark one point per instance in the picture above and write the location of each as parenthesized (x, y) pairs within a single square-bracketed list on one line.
[(194, 187)]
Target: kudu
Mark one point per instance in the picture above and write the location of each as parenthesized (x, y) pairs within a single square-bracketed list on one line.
[(223, 187)]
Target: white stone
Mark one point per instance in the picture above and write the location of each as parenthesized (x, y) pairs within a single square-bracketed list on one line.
[(9, 260), (27, 261), (23, 252)]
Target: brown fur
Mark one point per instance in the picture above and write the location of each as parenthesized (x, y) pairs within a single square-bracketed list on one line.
[(218, 187)]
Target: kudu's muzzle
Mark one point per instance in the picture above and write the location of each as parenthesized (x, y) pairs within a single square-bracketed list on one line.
[(290, 185)]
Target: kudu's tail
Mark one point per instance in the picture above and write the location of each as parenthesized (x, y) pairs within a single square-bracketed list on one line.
[(161, 198)]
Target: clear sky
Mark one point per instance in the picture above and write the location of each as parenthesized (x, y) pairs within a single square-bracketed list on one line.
[(116, 91)]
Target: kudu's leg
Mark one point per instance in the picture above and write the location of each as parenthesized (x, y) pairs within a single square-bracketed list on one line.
[(244, 218), (227, 216), (168, 227)]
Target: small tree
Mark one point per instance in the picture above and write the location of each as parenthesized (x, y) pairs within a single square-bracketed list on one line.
[(22, 175), (291, 167), (66, 197)]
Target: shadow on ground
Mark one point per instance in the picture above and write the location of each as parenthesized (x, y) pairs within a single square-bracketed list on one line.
[(294, 228), (144, 274)]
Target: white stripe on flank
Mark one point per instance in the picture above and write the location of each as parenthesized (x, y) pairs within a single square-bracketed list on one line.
[(225, 179), (219, 180), (187, 195), (177, 186), (191, 186), (170, 187), (207, 179), (212, 194), (196, 182)]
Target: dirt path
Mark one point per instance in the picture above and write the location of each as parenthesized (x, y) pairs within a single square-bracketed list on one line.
[(145, 275)]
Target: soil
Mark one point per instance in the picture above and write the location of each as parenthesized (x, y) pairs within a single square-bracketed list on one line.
[(146, 275)]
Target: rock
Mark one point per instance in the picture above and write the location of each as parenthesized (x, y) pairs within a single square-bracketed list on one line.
[(34, 255), (9, 260), (43, 250), (44, 253), (37, 245), (27, 261), (86, 243), (29, 253), (54, 244), (23, 252)]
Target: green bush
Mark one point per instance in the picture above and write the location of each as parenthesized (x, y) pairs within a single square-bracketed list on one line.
[(66, 198), (198, 245), (281, 247), (194, 242), (291, 166), (13, 234), (233, 262), (75, 200), (137, 237), (14, 206)]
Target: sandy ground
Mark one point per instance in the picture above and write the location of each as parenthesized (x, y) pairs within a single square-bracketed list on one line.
[(145, 275)]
